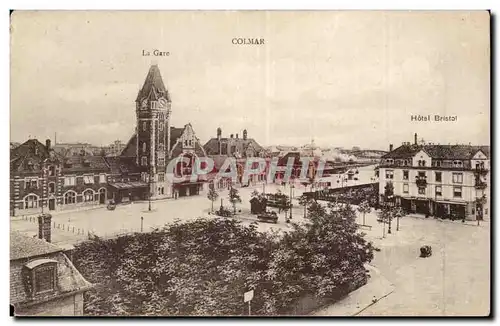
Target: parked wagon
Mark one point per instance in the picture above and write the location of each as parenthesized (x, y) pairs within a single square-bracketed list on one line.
[(111, 205), (269, 217)]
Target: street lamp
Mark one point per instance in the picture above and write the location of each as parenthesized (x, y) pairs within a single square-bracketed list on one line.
[(149, 184), (390, 203)]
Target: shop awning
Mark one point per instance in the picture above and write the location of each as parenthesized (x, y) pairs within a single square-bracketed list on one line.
[(450, 202), (129, 185)]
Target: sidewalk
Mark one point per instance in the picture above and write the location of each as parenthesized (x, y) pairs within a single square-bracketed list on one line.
[(378, 287)]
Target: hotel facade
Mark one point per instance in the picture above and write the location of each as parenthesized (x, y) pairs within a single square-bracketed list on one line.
[(438, 180)]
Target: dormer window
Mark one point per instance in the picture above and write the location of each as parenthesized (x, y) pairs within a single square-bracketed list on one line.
[(154, 104), (40, 276)]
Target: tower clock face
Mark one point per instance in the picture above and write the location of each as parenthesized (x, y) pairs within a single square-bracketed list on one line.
[(162, 103), (144, 104)]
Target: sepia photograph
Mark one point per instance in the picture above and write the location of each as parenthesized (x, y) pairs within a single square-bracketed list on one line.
[(250, 163)]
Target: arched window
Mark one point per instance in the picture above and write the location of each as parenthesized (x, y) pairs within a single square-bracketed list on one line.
[(88, 195), (161, 147), (144, 161), (144, 126), (70, 197), (31, 201), (161, 126), (144, 147), (52, 188), (52, 170)]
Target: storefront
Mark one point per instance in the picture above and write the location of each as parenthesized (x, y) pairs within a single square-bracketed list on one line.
[(186, 189), (124, 192)]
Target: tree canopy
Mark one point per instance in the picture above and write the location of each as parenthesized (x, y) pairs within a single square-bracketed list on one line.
[(203, 266)]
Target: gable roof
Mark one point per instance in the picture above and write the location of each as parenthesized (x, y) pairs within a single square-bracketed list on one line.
[(131, 148), (69, 279), (122, 164), (212, 146), (446, 152), (153, 85), (30, 152), (22, 246), (82, 163)]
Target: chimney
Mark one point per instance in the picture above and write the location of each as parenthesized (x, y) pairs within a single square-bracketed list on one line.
[(245, 134), (236, 136), (44, 230), (391, 147), (219, 133), (415, 138), (231, 136), (47, 144)]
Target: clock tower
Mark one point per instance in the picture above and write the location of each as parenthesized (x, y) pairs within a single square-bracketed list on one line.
[(153, 108)]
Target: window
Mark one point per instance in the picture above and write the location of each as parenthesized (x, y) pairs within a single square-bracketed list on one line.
[(421, 174), (389, 174), (144, 161), (457, 164), (154, 104), (233, 149), (457, 192), (45, 277), (438, 163), (31, 201), (161, 161), (161, 126), (405, 188), (52, 188), (406, 174), (102, 178), (185, 142), (144, 126), (31, 184), (421, 190), (88, 179), (88, 195), (69, 181), (144, 145), (190, 143), (438, 177), (161, 147), (458, 178), (439, 191), (161, 177), (70, 197), (52, 170)]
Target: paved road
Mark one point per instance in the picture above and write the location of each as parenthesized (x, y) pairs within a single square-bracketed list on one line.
[(454, 281)]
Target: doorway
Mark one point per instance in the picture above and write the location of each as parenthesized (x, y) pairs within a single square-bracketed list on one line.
[(52, 204)]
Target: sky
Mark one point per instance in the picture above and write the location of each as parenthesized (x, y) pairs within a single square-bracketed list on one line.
[(341, 78)]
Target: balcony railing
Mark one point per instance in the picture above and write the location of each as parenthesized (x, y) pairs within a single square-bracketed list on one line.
[(480, 184), (421, 181)]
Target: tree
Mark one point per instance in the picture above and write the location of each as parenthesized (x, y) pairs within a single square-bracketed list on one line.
[(363, 208), (305, 201), (315, 209), (388, 191), (384, 217), (234, 197), (212, 196)]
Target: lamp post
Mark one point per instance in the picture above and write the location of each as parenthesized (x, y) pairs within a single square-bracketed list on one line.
[(390, 203), (149, 185)]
